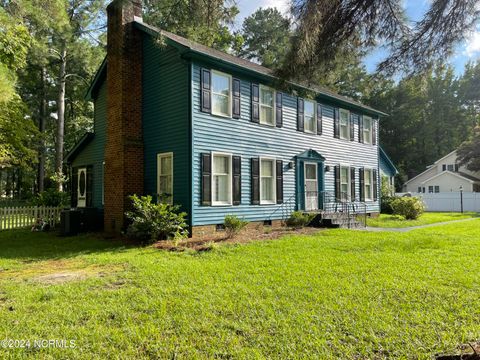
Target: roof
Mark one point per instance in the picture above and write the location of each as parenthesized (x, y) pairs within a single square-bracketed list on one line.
[(430, 167), (443, 157), (460, 175), (193, 49), (388, 161), (78, 147)]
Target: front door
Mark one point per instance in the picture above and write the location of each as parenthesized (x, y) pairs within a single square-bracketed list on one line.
[(82, 188), (311, 187)]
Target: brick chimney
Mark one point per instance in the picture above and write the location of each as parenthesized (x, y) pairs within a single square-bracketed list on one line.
[(124, 144)]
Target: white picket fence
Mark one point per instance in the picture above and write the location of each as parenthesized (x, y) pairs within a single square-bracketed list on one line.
[(451, 201), (26, 216)]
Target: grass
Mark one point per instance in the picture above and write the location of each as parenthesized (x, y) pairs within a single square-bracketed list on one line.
[(395, 221), (338, 294)]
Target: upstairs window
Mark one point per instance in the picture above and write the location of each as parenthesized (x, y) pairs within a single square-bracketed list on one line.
[(344, 124), (267, 181), (367, 130), (267, 105), (165, 177), (430, 189), (221, 94), (221, 179), (310, 123), (437, 188)]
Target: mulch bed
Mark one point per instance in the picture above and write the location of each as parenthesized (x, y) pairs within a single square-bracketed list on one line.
[(467, 352), (247, 235)]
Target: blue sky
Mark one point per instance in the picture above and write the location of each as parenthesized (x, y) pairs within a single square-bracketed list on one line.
[(469, 50)]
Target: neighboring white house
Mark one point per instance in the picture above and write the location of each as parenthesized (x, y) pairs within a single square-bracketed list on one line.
[(445, 175)]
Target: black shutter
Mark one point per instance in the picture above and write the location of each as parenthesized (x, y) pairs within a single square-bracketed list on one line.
[(300, 118), (74, 187), (444, 167), (279, 109), (237, 179), (352, 184), (352, 127), (319, 119), (375, 185), (336, 123), (337, 182), (360, 129), (279, 174), (456, 167), (255, 174), (206, 196), (236, 98), (89, 192), (361, 176), (206, 93), (255, 103), (374, 132)]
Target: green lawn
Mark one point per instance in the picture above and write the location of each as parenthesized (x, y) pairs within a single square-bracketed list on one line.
[(394, 221), (338, 294)]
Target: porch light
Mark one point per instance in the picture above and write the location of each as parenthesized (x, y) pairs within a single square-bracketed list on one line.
[(327, 168), (290, 165)]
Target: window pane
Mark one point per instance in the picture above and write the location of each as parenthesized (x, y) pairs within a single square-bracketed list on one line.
[(166, 165), (267, 188), (309, 123), (165, 184), (309, 108), (310, 172), (344, 175), (367, 177), (220, 188), (220, 165), (450, 167), (266, 114), (344, 117), (266, 97), (220, 104), (368, 191), (267, 168), (220, 84)]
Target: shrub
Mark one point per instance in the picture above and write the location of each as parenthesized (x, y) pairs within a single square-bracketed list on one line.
[(233, 225), (386, 204), (299, 219), (151, 222), (51, 197), (409, 207)]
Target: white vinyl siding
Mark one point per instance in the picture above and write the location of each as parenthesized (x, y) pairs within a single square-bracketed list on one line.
[(344, 124), (367, 130), (267, 105), (221, 179), (310, 123), (165, 177), (267, 181), (221, 94)]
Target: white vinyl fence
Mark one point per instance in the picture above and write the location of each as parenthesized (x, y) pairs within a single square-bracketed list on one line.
[(27, 216), (451, 201)]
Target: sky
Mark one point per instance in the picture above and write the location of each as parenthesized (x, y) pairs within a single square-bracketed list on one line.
[(469, 50)]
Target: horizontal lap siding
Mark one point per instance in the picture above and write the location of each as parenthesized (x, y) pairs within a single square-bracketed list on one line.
[(247, 139), (93, 153), (166, 117)]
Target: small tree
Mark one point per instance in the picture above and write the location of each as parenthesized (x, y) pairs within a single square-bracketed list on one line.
[(409, 207)]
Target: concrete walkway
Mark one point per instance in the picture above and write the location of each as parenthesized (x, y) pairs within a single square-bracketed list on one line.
[(406, 229)]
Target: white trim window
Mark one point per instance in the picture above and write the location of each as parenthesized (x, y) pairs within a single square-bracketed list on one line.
[(310, 123), (267, 105), (367, 129), (368, 184), (221, 179), (221, 94), (345, 182), (165, 177), (344, 124), (267, 181)]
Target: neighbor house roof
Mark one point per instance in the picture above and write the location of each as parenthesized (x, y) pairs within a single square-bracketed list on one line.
[(430, 167), (459, 175), (78, 147), (388, 161), (193, 49)]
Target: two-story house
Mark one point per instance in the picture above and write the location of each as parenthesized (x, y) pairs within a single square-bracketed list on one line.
[(215, 134)]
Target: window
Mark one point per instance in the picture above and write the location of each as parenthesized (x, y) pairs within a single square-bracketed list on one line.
[(344, 182), (450, 167), (437, 188), (267, 105), (367, 185), (221, 94), (344, 124), (165, 177), (221, 179), (267, 181), (367, 130), (419, 189), (310, 123), (430, 189)]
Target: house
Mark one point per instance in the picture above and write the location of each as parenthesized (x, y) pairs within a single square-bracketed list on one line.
[(215, 134), (445, 175), (387, 168)]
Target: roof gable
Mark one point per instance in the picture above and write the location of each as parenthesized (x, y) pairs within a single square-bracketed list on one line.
[(386, 159), (462, 176), (78, 147)]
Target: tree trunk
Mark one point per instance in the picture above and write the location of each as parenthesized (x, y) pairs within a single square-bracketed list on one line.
[(41, 127), (61, 114)]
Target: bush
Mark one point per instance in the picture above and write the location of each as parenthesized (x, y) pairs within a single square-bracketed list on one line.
[(299, 219), (233, 225), (386, 204), (52, 197), (409, 207), (151, 222)]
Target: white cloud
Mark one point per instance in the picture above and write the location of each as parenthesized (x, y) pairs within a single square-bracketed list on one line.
[(473, 44)]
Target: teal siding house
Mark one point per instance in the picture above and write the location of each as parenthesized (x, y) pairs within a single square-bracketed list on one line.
[(216, 134)]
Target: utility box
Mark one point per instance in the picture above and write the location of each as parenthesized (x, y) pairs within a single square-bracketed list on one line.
[(70, 222)]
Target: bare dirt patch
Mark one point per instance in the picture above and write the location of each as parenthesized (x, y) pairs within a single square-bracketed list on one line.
[(61, 277), (246, 236), (467, 352)]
